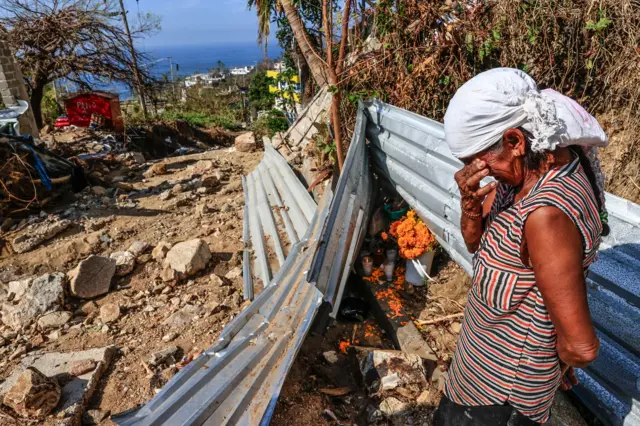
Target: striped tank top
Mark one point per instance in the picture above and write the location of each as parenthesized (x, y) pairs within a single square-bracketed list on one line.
[(506, 351)]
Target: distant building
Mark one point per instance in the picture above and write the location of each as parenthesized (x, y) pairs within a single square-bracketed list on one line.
[(279, 66), (286, 89), (206, 79), (241, 70)]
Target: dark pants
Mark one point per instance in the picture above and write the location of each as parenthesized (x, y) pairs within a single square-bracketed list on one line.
[(451, 414)]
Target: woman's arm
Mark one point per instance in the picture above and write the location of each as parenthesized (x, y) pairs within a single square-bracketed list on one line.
[(555, 250), (475, 202)]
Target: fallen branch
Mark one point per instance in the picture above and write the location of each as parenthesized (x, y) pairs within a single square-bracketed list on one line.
[(441, 319)]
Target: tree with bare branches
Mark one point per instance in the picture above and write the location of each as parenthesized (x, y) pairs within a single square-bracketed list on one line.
[(82, 41)]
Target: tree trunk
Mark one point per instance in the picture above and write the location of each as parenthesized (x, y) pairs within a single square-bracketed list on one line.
[(37, 93), (318, 67)]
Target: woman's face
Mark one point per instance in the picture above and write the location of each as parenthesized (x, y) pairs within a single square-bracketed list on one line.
[(506, 164)]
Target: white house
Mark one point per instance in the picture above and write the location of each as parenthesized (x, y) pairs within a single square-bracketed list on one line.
[(241, 70), (205, 79)]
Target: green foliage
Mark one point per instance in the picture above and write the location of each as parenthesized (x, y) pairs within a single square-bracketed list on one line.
[(602, 24), (270, 123), (258, 92), (50, 107), (198, 119)]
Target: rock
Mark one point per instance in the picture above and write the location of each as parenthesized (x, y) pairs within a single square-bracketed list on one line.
[(165, 356), (456, 327), (178, 188), (83, 366), (77, 391), (423, 399), (210, 181), (245, 142), (386, 370), (204, 208), (412, 342), (53, 336), (20, 350), (54, 320), (219, 281), (125, 262), (226, 208), (42, 294), (183, 317), (125, 186), (169, 337), (165, 195), (88, 308), (155, 170), (95, 417), (138, 247), (160, 251), (188, 257), (92, 277), (330, 356), (33, 394), (392, 407), (34, 235), (99, 191), (234, 273), (201, 166), (109, 312), (168, 274)]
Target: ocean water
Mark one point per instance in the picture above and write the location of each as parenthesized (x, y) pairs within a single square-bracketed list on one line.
[(197, 58)]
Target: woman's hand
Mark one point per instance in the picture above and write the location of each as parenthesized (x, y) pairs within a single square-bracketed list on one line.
[(569, 378), (472, 198), (471, 194)]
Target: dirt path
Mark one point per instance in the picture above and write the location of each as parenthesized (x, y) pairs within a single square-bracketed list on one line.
[(146, 302)]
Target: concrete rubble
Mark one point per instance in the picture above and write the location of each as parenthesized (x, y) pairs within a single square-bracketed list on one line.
[(33, 395), (34, 296), (34, 235), (76, 391)]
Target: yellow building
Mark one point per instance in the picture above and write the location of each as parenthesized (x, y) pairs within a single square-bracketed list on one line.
[(281, 86)]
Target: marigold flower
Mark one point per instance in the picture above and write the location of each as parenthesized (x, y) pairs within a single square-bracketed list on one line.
[(414, 238)]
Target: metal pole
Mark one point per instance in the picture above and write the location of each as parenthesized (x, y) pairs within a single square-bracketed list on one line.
[(173, 86), (134, 59)]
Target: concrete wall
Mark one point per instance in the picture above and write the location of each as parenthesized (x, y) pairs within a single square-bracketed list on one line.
[(12, 89)]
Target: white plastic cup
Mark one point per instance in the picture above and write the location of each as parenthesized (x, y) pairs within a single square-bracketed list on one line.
[(367, 265), (392, 255), (388, 270)]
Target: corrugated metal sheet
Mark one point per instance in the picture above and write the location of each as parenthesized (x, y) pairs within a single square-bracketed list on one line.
[(409, 152), (238, 380)]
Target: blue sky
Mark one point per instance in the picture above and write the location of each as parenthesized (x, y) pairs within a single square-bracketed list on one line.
[(199, 22)]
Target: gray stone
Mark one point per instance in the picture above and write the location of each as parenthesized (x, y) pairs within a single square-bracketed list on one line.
[(165, 195), (54, 319), (168, 274), (203, 209), (386, 370), (183, 317), (35, 235), (412, 342), (165, 356), (78, 391), (92, 277), (160, 251), (125, 262), (83, 366), (234, 273), (33, 395), (94, 417), (169, 337), (330, 356), (109, 312), (138, 247), (99, 191), (245, 142), (188, 257), (42, 294)]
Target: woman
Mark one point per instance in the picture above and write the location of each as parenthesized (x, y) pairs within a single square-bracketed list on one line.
[(534, 232)]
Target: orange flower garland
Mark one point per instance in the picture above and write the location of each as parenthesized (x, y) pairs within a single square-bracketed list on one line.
[(414, 238)]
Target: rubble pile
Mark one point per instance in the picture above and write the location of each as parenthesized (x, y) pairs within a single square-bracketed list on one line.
[(138, 272)]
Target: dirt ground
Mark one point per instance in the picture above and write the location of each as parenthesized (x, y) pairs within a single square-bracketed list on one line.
[(144, 300)]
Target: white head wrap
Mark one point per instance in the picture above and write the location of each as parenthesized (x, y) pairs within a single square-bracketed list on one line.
[(504, 98)]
